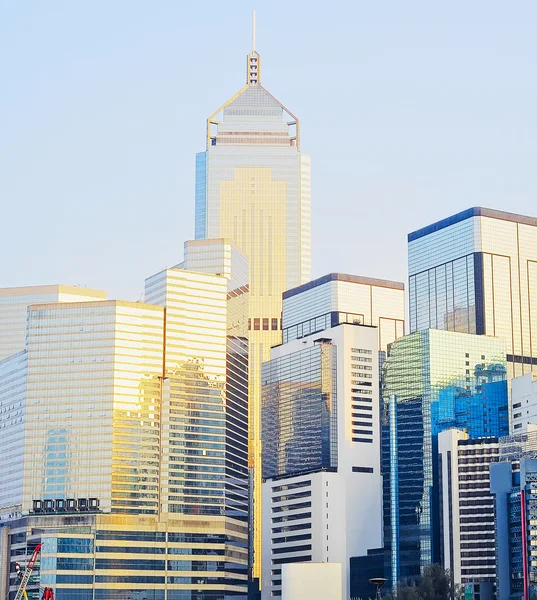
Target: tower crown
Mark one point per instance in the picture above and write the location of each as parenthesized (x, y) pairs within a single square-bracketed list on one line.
[(253, 69)]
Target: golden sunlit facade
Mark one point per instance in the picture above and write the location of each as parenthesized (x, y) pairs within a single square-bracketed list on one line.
[(133, 471), (14, 303), (253, 187), (92, 409)]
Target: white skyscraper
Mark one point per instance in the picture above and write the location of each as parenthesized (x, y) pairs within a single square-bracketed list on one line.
[(322, 485)]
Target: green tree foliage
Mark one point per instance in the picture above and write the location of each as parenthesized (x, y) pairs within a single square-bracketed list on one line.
[(435, 584)]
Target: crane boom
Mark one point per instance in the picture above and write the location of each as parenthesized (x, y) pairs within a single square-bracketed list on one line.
[(27, 573)]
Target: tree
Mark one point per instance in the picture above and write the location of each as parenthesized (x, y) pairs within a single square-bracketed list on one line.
[(434, 584)]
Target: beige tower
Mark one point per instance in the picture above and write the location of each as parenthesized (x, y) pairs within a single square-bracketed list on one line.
[(253, 187)]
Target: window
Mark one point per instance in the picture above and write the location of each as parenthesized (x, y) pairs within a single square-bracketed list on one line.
[(256, 324), (265, 324), (274, 324), (362, 470)]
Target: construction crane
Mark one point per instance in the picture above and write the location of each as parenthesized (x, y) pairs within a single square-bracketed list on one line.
[(24, 578)]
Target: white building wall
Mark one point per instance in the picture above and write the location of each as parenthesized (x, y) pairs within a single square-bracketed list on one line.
[(467, 508), (346, 506), (447, 443), (313, 581), (523, 410)]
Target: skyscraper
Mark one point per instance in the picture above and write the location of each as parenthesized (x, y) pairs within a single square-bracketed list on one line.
[(433, 380), (320, 424), (127, 427), (253, 187), (467, 510), (476, 272), (321, 452), (14, 303)]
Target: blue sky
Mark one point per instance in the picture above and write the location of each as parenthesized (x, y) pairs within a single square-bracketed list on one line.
[(411, 111)]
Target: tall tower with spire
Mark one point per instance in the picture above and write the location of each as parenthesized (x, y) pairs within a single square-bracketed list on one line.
[(253, 187)]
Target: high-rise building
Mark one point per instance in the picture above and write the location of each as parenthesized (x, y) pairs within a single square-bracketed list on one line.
[(433, 380), (512, 483), (468, 543), (253, 187), (133, 469), (339, 298), (14, 303), (523, 403), (476, 272), (321, 452)]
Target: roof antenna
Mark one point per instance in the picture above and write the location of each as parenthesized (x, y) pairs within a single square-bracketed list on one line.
[(253, 67), (253, 31)]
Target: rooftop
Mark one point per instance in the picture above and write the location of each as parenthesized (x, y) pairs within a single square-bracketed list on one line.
[(395, 285), (476, 211)]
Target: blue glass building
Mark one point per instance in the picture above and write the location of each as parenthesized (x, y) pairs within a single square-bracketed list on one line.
[(433, 380)]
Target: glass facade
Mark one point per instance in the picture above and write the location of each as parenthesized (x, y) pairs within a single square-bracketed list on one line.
[(93, 404), (253, 187), (339, 298), (134, 421), (433, 380), (299, 410), (222, 257), (15, 301), (476, 272), (12, 411), (514, 485)]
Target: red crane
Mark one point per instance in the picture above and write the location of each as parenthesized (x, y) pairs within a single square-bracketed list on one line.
[(24, 578)]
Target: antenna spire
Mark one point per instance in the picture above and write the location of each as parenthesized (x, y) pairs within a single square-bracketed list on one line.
[(253, 31), (253, 66)]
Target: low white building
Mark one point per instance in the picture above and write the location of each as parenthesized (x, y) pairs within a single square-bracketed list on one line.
[(311, 581), (322, 489), (523, 403)]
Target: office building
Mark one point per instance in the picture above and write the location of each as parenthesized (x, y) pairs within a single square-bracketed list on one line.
[(476, 272), (362, 570), (523, 403), (15, 301), (253, 187), (512, 483), (433, 380), (468, 543), (339, 298), (134, 466), (321, 452)]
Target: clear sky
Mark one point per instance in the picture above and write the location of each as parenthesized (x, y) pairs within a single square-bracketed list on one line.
[(411, 111)]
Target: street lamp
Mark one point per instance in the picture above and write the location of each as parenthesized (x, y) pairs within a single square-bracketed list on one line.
[(379, 582)]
